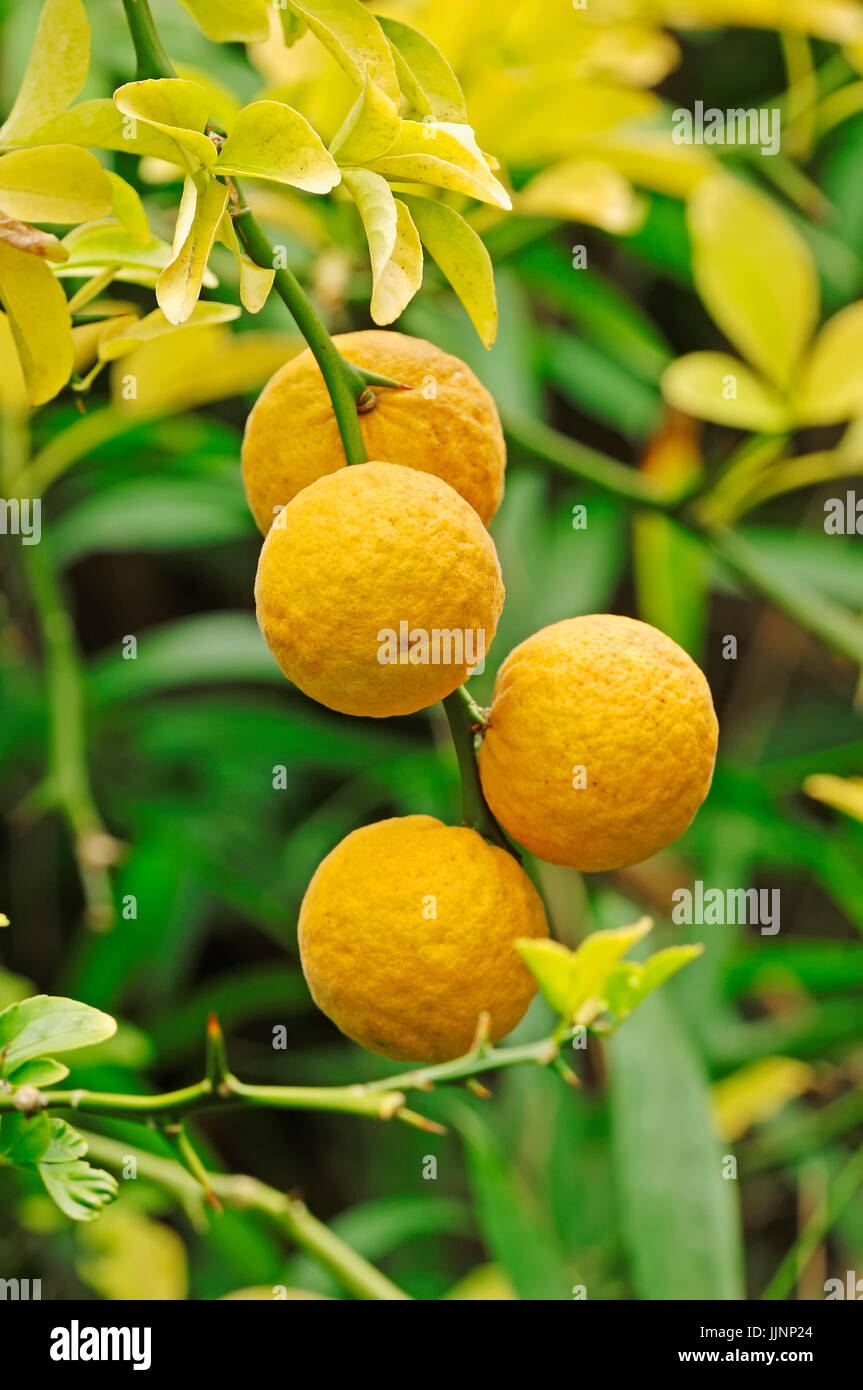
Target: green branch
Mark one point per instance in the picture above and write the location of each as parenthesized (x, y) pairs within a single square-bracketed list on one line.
[(288, 1214), (68, 780), (345, 383), (382, 1100), (153, 61), (464, 719)]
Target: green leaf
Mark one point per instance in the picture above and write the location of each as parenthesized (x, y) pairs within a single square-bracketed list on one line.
[(180, 109), (714, 386), (514, 1228), (40, 322), (681, 1226), (24, 1138), (446, 156), (153, 514), (462, 257), (574, 982), (272, 141), (394, 244), (230, 21), (53, 183), (830, 386), (79, 1190), (671, 570), (201, 209), (425, 77), (46, 1024), (755, 274), (354, 38), (42, 1071), (628, 983), (211, 647), (56, 70)]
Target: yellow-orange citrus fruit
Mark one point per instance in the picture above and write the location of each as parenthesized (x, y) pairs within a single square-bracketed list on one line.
[(447, 424), (378, 590), (600, 744), (406, 937)]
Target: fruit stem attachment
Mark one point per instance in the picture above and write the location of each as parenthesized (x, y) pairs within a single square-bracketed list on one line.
[(344, 382), (464, 718)]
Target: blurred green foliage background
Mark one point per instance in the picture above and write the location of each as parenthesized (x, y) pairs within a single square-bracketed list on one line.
[(617, 1186)]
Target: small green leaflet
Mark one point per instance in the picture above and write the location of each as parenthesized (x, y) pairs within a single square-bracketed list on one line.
[(44, 1025)]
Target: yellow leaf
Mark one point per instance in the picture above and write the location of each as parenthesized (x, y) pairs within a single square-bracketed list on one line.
[(354, 38), (551, 965), (370, 128), (443, 155), (188, 369), (757, 1092), (201, 210), (56, 70), (461, 256), (31, 239), (402, 275), (53, 183), (583, 190), (839, 20), (755, 274), (272, 1293), (649, 158), (591, 965), (485, 1283), (102, 244), (842, 793), (99, 125), (230, 21), (830, 385), (128, 209), (127, 1255), (714, 386), (14, 401), (178, 108), (40, 322), (272, 141), (89, 338), (136, 332), (256, 281), (538, 119), (426, 78)]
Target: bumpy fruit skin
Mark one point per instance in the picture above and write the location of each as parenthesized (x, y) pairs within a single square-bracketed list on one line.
[(353, 557), (292, 438), (406, 937), (621, 700)]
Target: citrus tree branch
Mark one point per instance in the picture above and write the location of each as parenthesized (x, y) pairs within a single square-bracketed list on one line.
[(464, 719), (288, 1214), (344, 383), (68, 780), (381, 1100), (152, 59)]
